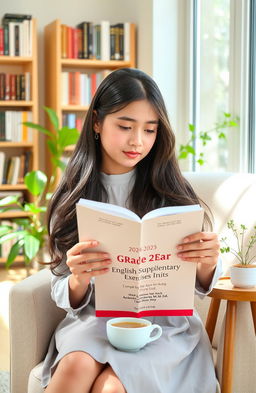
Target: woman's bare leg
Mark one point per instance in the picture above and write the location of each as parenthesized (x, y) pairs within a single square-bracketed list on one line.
[(75, 373), (108, 382)]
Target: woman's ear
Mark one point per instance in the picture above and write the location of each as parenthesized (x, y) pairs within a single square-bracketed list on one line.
[(95, 121)]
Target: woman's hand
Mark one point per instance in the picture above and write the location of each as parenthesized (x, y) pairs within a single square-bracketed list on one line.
[(85, 263), (203, 248)]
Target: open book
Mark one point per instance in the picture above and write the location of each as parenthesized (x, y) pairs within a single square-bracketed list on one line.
[(146, 277)]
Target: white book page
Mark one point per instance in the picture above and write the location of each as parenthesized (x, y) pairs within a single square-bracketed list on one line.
[(166, 211), (115, 210)]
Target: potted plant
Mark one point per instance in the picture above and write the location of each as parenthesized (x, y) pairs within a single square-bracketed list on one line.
[(31, 235), (243, 273)]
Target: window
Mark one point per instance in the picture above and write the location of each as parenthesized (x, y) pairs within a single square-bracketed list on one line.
[(222, 68)]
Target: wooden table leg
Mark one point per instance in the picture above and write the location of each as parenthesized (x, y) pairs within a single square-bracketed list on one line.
[(212, 317), (253, 308), (228, 355)]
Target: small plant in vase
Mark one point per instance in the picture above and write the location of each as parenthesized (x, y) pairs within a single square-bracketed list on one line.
[(243, 273)]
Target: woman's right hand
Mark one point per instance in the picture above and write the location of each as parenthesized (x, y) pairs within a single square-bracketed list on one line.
[(85, 263)]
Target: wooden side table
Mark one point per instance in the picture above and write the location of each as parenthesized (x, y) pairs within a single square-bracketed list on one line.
[(224, 290)]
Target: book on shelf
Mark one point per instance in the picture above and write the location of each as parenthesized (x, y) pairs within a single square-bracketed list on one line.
[(100, 41), (17, 35), (12, 128), (146, 277), (13, 169), (15, 86), (78, 88)]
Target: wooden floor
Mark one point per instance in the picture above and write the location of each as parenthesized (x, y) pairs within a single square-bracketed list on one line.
[(7, 279)]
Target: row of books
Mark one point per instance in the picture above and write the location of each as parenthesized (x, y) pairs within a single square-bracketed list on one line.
[(15, 86), (6, 246), (101, 41), (12, 128), (13, 169), (16, 35), (72, 120), (78, 88)]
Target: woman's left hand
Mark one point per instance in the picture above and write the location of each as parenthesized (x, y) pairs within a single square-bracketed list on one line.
[(201, 247)]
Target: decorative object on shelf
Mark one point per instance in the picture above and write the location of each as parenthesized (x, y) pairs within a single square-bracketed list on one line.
[(30, 237), (242, 274)]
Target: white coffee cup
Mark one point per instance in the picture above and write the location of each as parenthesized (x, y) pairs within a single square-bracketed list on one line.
[(131, 334)]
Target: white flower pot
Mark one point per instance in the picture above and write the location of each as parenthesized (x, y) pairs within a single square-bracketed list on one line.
[(243, 277)]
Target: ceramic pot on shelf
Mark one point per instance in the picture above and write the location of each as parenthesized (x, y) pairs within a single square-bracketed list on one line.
[(243, 276)]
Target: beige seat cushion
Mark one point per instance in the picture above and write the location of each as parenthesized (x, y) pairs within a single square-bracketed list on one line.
[(34, 382)]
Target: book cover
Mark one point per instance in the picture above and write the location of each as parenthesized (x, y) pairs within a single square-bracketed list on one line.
[(146, 277)]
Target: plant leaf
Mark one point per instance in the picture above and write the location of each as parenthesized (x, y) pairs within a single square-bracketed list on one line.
[(9, 200), (31, 246), (67, 137), (200, 161), (31, 207), (4, 229), (37, 127), (190, 150), (183, 155), (14, 251), (12, 235), (53, 117), (36, 182), (191, 127), (52, 147)]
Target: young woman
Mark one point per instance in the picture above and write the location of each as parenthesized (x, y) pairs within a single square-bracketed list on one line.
[(125, 156)]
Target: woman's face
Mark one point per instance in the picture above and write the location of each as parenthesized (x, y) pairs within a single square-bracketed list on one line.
[(127, 136)]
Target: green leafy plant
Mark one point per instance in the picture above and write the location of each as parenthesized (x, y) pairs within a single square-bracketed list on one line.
[(30, 238), (205, 136), (242, 251)]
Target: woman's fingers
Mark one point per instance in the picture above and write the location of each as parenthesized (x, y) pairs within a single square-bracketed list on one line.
[(87, 263), (200, 247), (79, 247)]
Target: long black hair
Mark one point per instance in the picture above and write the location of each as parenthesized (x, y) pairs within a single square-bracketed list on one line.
[(158, 181)]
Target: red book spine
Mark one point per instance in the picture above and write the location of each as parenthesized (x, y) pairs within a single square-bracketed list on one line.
[(75, 43), (79, 123), (7, 87), (69, 43), (13, 87), (77, 88), (1, 41), (93, 84)]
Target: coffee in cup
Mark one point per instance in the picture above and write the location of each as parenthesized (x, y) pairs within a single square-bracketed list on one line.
[(131, 334)]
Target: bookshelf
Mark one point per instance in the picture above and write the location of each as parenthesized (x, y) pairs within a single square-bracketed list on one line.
[(55, 65), (20, 65)]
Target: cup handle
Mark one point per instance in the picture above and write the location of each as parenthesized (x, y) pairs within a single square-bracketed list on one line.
[(157, 335)]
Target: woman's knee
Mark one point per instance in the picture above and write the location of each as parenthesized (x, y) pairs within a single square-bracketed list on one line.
[(108, 382), (78, 363)]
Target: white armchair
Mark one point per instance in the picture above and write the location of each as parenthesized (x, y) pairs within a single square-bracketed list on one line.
[(34, 316)]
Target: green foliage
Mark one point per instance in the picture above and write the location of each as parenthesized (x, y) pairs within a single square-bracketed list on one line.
[(205, 137), (242, 251), (31, 236)]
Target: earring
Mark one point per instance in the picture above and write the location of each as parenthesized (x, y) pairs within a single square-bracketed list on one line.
[(96, 135)]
